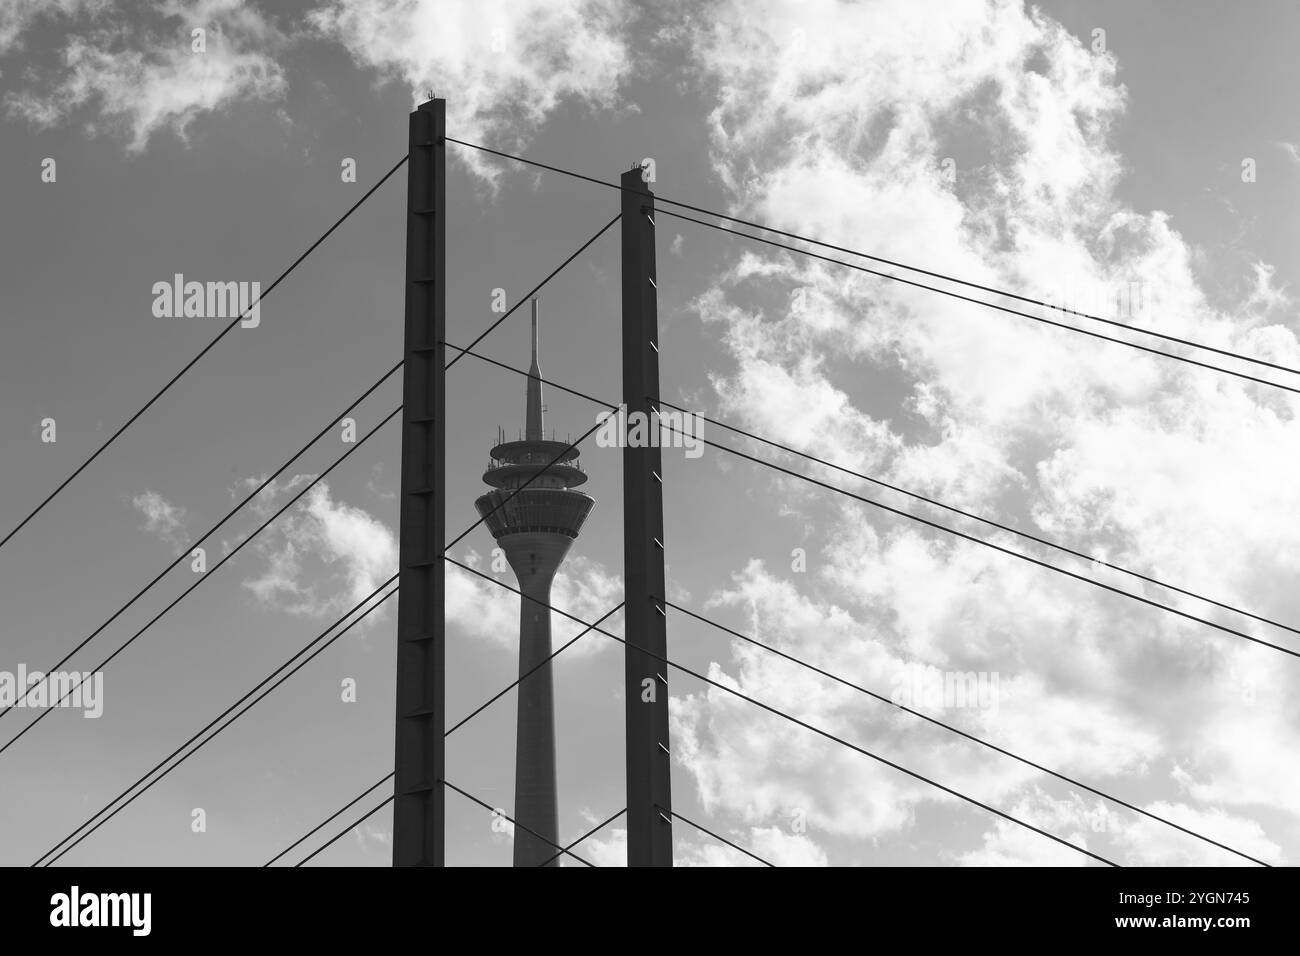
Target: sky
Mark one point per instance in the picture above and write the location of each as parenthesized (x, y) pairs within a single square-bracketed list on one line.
[(1140, 160)]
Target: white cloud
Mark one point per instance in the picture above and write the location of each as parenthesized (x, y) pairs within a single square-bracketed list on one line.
[(141, 78), (162, 518), (1158, 845), (768, 843), (785, 849), (692, 848), (266, 502), (604, 849), (17, 17), (1265, 299), (832, 120), (1009, 844), (374, 837), (503, 67), (1118, 835), (767, 770), (322, 557), (378, 484)]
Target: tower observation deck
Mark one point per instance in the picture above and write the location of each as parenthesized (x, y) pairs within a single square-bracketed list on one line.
[(535, 516)]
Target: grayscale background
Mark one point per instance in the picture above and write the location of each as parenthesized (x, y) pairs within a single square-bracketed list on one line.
[(1079, 160)]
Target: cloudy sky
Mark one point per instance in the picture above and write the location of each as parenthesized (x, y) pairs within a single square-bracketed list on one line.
[(1067, 150)]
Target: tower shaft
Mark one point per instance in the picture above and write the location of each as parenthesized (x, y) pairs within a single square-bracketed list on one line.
[(535, 557), (536, 790)]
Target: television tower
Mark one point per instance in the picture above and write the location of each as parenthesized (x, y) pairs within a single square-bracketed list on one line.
[(535, 527)]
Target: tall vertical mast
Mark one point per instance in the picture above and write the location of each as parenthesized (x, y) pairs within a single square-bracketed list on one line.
[(419, 755), (649, 772)]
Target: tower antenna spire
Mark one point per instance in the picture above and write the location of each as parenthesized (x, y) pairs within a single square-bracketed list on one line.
[(533, 419)]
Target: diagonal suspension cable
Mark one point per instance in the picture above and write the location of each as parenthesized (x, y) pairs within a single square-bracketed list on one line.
[(722, 839), (283, 672), (211, 531), (186, 552), (536, 667), (1029, 300), (464, 720), (457, 539), (923, 716), (938, 275), (989, 305), (331, 818), (235, 550), (961, 733), (558, 269), (338, 836), (801, 723), (590, 833), (980, 518), (997, 547), (594, 627), (935, 525), (468, 796), (192, 362), (493, 810), (497, 696)]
